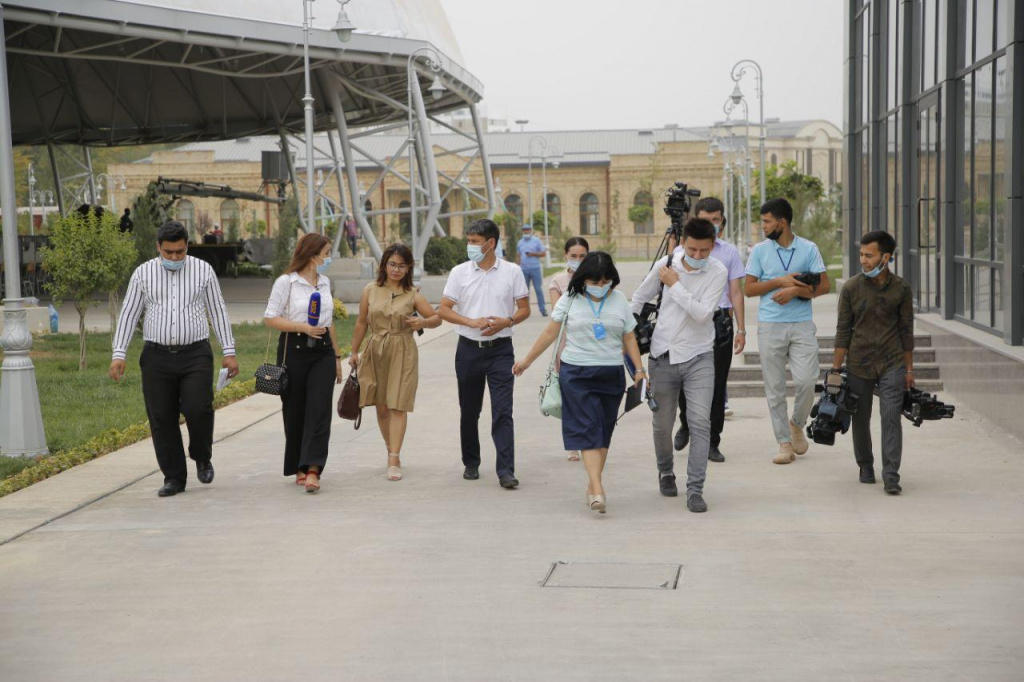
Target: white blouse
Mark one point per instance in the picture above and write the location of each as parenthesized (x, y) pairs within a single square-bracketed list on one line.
[(290, 299)]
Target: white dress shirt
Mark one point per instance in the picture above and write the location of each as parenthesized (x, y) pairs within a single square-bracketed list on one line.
[(685, 326), (485, 293), (178, 307), (290, 299)]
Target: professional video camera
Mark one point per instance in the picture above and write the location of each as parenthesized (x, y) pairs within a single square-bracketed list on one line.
[(835, 408), (919, 406), (677, 207)]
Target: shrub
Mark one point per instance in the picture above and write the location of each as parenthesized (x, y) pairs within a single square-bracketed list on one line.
[(340, 311), (443, 254)]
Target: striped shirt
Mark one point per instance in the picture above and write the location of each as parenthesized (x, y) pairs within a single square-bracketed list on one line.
[(177, 306)]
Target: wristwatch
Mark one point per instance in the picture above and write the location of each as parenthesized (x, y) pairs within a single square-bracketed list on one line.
[(511, 322), (741, 331)]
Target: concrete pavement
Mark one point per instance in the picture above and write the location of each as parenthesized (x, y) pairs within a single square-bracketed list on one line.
[(797, 572)]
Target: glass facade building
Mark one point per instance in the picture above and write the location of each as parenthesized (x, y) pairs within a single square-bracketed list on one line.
[(934, 139)]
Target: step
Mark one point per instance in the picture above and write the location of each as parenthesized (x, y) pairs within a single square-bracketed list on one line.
[(920, 341), (755, 389), (924, 370), (753, 357)]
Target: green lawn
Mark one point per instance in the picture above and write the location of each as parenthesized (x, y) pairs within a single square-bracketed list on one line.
[(78, 406)]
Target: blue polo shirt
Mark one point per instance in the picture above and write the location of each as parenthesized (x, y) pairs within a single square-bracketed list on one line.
[(769, 260), (531, 245)]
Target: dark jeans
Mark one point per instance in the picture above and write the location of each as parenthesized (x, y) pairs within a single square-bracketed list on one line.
[(307, 405), (723, 362), (475, 367), (889, 388), (176, 383), (351, 245)]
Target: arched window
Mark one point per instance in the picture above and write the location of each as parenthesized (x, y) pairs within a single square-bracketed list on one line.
[(514, 207), (371, 220), (775, 160), (445, 221), (230, 217), (187, 216), (405, 220), (555, 210), (590, 209), (642, 214)]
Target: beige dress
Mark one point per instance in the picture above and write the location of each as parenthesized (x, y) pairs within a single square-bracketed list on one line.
[(389, 364)]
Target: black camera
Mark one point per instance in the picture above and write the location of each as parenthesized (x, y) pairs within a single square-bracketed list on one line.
[(644, 331), (919, 406), (834, 410), (811, 279), (677, 206)]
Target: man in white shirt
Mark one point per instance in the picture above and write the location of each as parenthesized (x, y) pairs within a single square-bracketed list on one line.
[(486, 296), (682, 352), (175, 294)]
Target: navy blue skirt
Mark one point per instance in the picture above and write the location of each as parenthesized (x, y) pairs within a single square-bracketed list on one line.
[(590, 404)]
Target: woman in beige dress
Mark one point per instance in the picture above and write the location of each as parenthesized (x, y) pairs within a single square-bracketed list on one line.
[(391, 310)]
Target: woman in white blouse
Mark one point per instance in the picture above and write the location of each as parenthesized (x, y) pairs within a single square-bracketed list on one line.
[(311, 355)]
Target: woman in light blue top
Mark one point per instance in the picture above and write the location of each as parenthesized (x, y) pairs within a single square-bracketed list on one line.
[(598, 332)]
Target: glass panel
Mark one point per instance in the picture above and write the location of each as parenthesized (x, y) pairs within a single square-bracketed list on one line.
[(985, 13), (997, 298), (982, 185), (964, 238), (1003, 23), (892, 56), (983, 295), (900, 18), (927, 44), (864, 73), (891, 176), (962, 290), (865, 182), (1002, 156), (940, 41)]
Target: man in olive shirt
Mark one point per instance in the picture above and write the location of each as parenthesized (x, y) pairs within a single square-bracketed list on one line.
[(875, 336)]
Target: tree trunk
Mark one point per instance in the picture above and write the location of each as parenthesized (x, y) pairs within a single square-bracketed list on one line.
[(81, 336)]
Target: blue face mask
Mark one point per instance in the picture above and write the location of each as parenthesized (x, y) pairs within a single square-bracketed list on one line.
[(877, 271), (599, 292), (172, 265), (475, 253), (322, 268), (698, 263)]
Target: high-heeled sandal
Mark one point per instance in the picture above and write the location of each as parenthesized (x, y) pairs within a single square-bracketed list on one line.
[(573, 455), (312, 481), (597, 503), (394, 472), (300, 478)]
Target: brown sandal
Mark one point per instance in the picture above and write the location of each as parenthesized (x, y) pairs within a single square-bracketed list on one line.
[(312, 481), (300, 478)]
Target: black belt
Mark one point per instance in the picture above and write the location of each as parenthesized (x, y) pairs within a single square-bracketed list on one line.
[(177, 349), (494, 343), (727, 312)]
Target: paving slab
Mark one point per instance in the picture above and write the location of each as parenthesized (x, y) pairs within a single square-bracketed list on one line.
[(797, 572)]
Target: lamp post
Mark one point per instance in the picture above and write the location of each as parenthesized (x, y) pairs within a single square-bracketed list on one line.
[(738, 70), (521, 122), (436, 89), (343, 28), (113, 182), (544, 185), (529, 186)]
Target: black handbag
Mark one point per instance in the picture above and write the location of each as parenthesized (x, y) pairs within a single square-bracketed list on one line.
[(273, 379)]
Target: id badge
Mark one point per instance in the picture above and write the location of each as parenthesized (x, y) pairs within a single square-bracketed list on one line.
[(599, 332)]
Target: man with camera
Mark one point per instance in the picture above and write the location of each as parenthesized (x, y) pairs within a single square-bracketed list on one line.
[(682, 352), (786, 272), (727, 343), (875, 338)]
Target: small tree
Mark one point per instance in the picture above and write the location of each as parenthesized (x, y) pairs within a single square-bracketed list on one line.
[(508, 223), (149, 211), (87, 254), (287, 233), (256, 229)]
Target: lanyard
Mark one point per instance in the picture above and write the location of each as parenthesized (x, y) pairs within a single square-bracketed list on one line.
[(785, 265), (597, 313)]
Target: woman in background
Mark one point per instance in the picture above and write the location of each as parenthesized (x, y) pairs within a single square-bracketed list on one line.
[(576, 249)]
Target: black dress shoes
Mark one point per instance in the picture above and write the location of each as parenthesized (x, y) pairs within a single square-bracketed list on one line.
[(696, 504), (682, 438), (471, 473), (867, 473), (508, 482), (204, 471), (667, 484), (715, 455), (892, 487), (172, 488)]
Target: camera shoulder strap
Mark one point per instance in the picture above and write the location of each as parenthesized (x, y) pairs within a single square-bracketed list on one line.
[(661, 292)]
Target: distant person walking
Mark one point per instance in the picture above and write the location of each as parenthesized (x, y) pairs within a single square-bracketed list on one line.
[(311, 355), (351, 232), (528, 254), (576, 249), (174, 295), (598, 331), (391, 310)]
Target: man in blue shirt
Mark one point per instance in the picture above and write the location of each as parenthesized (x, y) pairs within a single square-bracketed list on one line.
[(529, 251), (785, 324)]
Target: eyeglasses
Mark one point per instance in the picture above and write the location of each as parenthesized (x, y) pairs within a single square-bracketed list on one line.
[(397, 267)]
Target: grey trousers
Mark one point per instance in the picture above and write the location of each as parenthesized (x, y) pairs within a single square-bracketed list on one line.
[(796, 342), (890, 398), (696, 378)]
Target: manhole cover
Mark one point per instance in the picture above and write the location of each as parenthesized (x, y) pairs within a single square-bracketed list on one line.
[(612, 576)]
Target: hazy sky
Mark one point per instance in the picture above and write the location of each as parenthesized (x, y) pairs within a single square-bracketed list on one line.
[(589, 64)]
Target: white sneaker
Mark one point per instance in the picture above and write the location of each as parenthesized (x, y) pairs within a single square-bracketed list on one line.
[(728, 411)]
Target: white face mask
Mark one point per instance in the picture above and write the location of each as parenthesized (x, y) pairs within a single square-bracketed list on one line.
[(574, 264)]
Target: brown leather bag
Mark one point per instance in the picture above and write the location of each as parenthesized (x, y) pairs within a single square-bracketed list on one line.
[(348, 403)]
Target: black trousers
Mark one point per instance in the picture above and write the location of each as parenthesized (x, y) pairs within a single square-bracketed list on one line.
[(307, 405), (723, 362), (176, 383), (476, 367)]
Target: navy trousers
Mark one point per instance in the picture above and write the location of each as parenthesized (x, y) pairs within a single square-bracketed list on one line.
[(476, 368)]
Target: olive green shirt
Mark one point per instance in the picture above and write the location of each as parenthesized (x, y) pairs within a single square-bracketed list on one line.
[(876, 325)]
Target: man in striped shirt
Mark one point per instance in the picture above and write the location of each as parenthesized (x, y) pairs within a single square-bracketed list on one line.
[(177, 297)]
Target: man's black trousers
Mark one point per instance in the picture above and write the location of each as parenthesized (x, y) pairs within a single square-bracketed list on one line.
[(176, 383), (723, 362), (476, 367)]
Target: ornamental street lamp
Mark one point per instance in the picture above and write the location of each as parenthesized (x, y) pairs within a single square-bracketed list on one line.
[(738, 70), (113, 182), (529, 185)]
